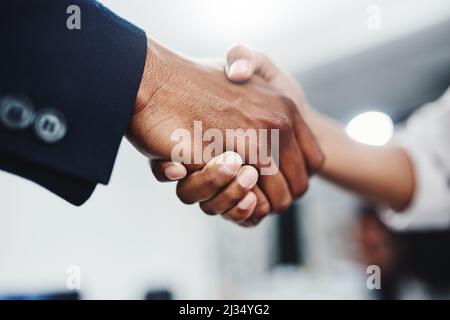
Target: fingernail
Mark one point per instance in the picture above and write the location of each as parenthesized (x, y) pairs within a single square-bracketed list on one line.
[(232, 162), (248, 178), (247, 202), (238, 67), (175, 172)]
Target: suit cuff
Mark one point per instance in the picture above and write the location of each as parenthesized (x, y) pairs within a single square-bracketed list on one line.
[(74, 190)]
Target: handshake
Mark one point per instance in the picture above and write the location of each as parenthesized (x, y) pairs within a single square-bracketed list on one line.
[(236, 141), (240, 139), (244, 142)]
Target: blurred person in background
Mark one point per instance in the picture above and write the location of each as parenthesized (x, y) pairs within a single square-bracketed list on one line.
[(410, 175), (414, 264)]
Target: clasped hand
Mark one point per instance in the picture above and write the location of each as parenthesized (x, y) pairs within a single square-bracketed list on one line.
[(254, 94)]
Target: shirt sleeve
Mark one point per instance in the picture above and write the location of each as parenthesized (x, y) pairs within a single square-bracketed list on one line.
[(426, 138)]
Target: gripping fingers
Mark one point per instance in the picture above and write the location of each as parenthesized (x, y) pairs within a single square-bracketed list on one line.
[(261, 210), (205, 184), (243, 210), (233, 194)]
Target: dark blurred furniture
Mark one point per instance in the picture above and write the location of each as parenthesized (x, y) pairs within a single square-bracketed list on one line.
[(162, 294), (403, 257), (66, 295), (289, 240)]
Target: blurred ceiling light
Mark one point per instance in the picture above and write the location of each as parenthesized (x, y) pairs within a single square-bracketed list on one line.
[(372, 128)]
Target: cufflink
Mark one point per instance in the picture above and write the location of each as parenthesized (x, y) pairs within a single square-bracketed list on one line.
[(50, 126), (16, 114)]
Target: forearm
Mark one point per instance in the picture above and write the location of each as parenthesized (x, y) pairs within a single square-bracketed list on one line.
[(382, 174)]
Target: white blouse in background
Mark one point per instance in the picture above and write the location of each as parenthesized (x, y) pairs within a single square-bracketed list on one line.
[(426, 137)]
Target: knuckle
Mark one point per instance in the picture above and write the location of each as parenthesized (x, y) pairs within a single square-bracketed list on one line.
[(283, 204), (262, 209), (282, 122), (213, 181), (208, 209), (290, 106), (235, 194), (183, 195), (301, 188), (238, 215)]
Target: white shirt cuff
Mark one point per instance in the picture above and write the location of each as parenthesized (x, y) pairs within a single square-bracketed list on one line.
[(430, 208)]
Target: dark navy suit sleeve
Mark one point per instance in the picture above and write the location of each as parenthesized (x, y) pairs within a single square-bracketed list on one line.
[(90, 77)]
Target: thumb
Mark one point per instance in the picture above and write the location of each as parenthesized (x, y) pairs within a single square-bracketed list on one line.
[(243, 63), (240, 64), (165, 171)]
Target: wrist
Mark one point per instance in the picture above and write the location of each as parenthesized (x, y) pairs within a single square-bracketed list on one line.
[(327, 132), (314, 120), (164, 90), (157, 71)]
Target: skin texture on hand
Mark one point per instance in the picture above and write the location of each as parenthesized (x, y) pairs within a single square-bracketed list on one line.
[(175, 93), (381, 174), (300, 154)]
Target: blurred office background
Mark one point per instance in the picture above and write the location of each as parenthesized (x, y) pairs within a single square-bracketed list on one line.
[(134, 239)]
